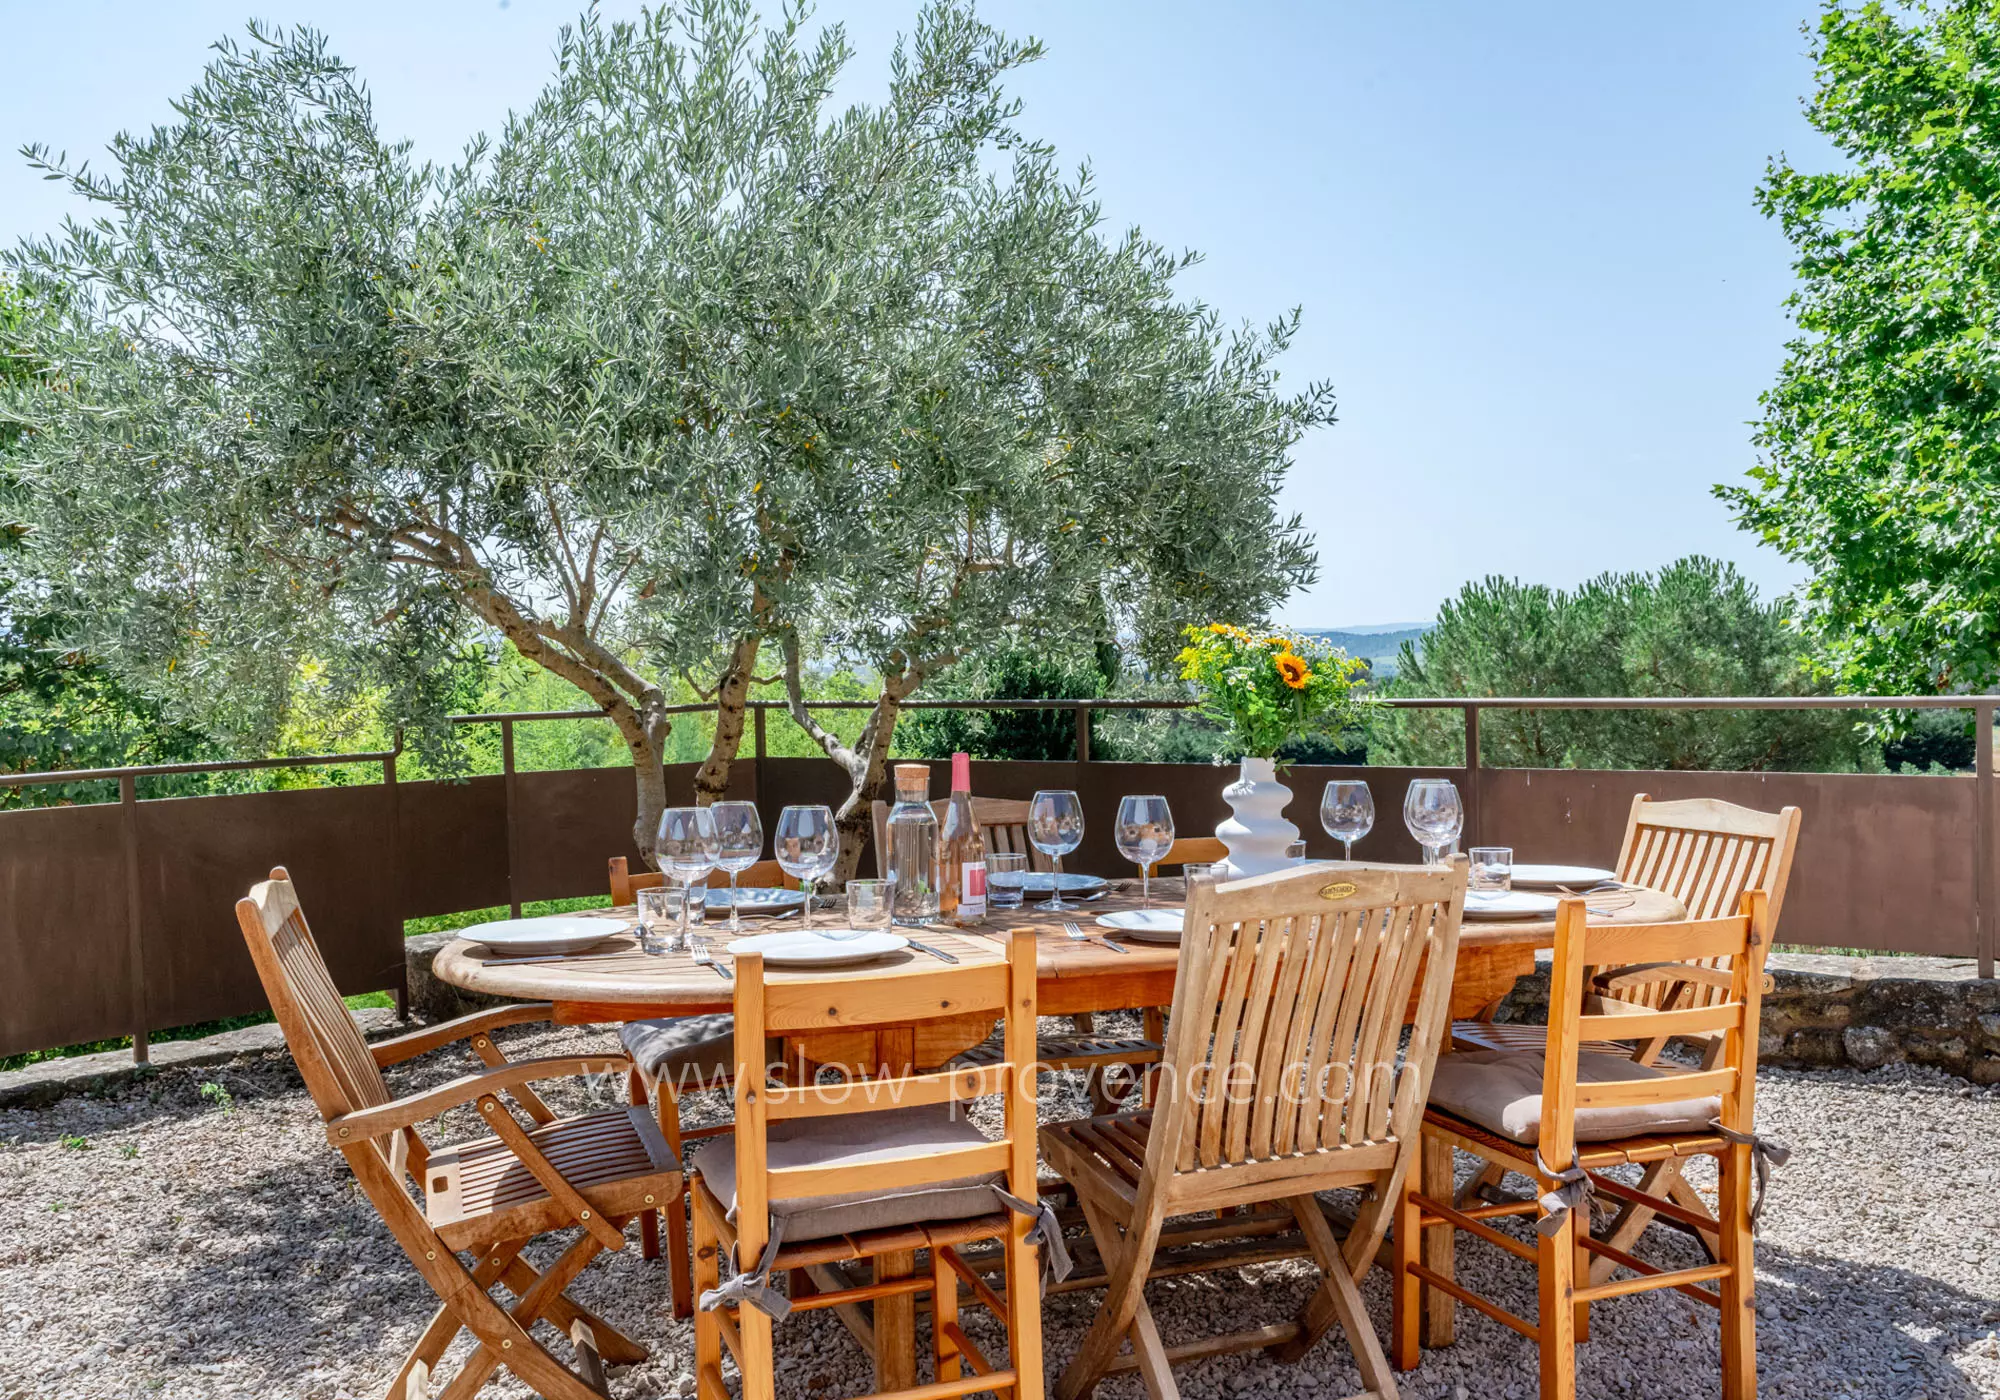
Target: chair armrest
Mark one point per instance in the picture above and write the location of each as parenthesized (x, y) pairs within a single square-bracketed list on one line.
[(406, 1047), (407, 1112)]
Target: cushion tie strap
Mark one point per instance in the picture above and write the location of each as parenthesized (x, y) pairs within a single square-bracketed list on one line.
[(1046, 1232), (754, 1289), (1572, 1192), (1765, 1154)]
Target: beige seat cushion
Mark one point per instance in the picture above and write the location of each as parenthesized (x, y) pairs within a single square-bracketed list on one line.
[(855, 1139), (1501, 1090), (697, 1051)]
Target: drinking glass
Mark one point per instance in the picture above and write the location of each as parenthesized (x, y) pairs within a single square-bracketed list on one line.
[(654, 920), (1144, 833), (1205, 872), (739, 836), (1006, 878), (1432, 812), (1347, 811), (687, 849), (807, 848), (1296, 852), (1492, 869), (1055, 828), (870, 906)]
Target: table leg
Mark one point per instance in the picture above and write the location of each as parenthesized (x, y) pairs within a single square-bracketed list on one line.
[(1440, 1324)]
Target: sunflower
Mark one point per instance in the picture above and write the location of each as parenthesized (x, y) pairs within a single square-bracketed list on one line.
[(1292, 670)]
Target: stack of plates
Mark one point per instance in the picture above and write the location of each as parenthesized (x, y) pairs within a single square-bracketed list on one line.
[(540, 937), (1515, 904), (799, 948), (1145, 925), (1548, 877), (762, 900)]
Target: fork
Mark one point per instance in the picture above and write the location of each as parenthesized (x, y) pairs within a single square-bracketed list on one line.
[(698, 950), (1076, 933)]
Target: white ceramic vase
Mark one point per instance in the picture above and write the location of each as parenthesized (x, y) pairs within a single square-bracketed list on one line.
[(1257, 833)]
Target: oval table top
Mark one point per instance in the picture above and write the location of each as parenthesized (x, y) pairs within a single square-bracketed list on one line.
[(1073, 976)]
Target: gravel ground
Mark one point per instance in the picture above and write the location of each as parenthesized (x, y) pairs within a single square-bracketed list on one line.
[(193, 1236)]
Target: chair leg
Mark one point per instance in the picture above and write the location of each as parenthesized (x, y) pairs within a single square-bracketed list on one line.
[(444, 1324), (1336, 1300), (538, 1369), (649, 1221), (944, 1315), (614, 1346), (675, 1211), (1406, 1310), (1556, 1314), (1738, 1286), (1490, 1174), (708, 1383), (1128, 1259), (1439, 1245)]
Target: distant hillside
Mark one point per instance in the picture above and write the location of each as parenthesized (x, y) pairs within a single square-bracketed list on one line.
[(1377, 645)]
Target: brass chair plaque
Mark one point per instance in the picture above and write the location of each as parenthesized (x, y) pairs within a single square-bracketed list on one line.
[(1339, 889)]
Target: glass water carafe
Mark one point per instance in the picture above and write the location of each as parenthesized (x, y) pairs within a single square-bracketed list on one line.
[(913, 847)]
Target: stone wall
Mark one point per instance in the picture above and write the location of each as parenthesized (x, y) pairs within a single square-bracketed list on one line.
[(1858, 1013)]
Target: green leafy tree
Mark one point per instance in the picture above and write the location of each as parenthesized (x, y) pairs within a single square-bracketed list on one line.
[(59, 707), (306, 397), (1015, 672), (1880, 459), (1696, 628)]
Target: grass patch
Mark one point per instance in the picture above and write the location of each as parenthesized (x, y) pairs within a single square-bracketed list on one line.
[(446, 923)]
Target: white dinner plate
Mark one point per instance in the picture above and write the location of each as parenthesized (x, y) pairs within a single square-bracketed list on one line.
[(1576, 877), (550, 933), (762, 900), (1515, 904), (1145, 925), (798, 948), (1037, 882)]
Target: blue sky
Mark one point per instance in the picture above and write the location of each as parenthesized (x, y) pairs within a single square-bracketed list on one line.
[(1523, 235)]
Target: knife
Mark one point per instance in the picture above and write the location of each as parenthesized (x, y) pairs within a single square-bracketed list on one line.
[(934, 952)]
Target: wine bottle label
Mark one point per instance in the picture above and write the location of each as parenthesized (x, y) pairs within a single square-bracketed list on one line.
[(972, 889)]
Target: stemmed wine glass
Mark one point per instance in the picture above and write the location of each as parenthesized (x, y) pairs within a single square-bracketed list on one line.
[(1434, 815), (1144, 833), (807, 848), (1347, 811), (739, 835), (1055, 828), (687, 849)]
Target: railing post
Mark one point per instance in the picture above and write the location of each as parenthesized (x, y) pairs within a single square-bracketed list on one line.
[(1984, 918), (392, 794), (1472, 784), (1083, 733), (128, 802), (513, 838)]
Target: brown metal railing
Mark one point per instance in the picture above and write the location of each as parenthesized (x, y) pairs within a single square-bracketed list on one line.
[(1984, 869)]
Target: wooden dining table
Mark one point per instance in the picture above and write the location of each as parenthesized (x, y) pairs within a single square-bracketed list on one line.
[(1105, 972)]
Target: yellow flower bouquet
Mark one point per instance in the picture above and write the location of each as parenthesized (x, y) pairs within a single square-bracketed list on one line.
[(1267, 689)]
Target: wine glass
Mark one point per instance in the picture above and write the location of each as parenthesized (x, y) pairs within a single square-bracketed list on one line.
[(1434, 815), (807, 848), (1144, 833), (1055, 828), (687, 848), (1347, 811), (739, 835)]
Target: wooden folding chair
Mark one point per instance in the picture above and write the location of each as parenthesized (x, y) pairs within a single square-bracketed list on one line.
[(816, 1175), (1565, 1115), (1706, 854), (672, 1056), (487, 1199), (1281, 1079)]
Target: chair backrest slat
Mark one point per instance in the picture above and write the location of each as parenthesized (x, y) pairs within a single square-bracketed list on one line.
[(1706, 854), (1288, 1013), (1677, 955), (332, 1056)]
